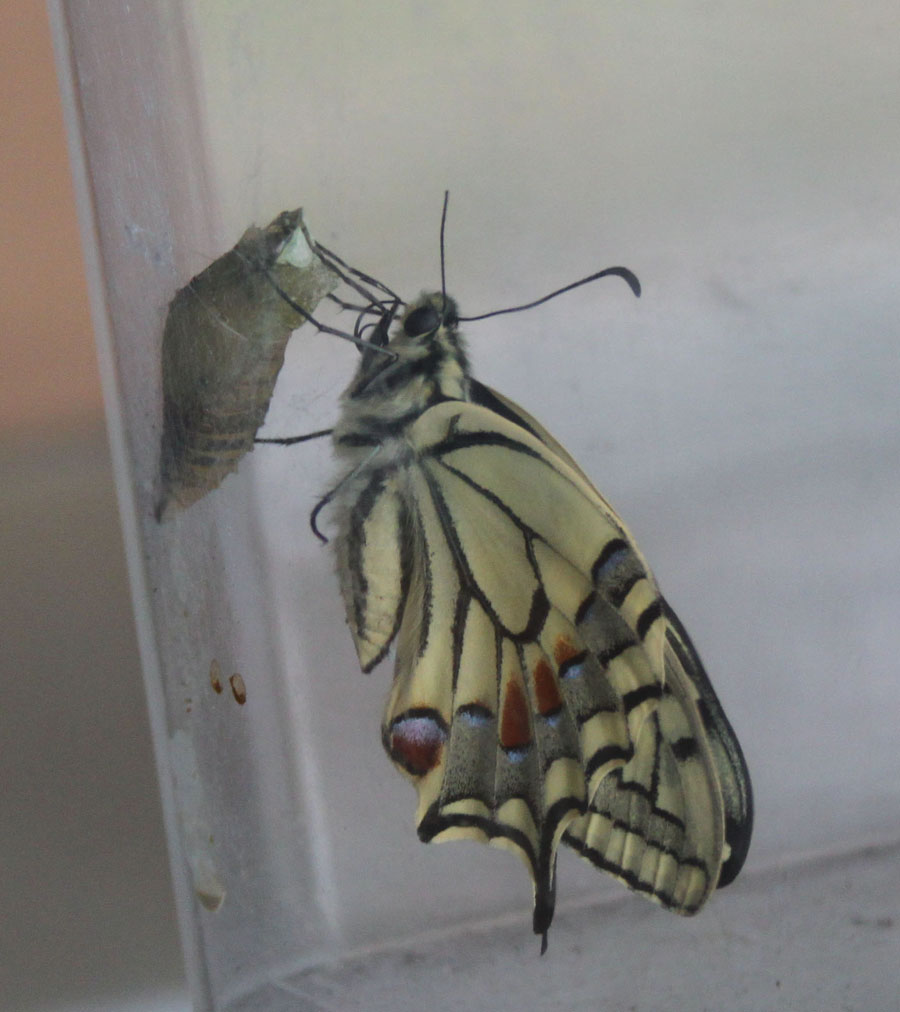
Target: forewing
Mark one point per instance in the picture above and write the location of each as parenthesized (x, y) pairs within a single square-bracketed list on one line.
[(374, 561)]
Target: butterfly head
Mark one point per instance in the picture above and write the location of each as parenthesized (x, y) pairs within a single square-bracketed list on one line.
[(427, 360), (428, 314)]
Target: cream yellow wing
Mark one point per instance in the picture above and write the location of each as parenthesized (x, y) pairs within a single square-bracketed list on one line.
[(532, 695), (685, 678)]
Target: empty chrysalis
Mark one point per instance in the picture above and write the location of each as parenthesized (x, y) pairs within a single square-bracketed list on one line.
[(544, 690), (223, 346)]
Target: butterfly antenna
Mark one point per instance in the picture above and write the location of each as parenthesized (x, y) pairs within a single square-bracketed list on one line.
[(620, 272), (443, 264)]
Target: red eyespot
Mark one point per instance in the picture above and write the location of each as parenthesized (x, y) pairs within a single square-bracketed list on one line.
[(416, 739)]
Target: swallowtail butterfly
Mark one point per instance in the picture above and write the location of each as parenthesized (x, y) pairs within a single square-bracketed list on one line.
[(544, 691)]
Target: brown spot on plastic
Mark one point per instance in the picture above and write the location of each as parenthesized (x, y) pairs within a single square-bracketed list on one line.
[(238, 689), (215, 675), (209, 900)]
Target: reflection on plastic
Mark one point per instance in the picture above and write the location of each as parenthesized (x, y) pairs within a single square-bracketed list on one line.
[(195, 823)]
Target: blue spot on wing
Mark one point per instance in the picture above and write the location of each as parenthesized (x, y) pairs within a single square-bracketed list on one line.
[(475, 715), (574, 670), (615, 553)]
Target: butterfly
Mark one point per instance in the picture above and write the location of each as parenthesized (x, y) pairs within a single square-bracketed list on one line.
[(544, 691)]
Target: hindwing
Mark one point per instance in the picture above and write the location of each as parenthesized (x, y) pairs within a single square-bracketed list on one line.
[(543, 690)]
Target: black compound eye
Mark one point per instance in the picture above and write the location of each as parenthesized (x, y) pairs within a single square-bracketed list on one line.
[(422, 320)]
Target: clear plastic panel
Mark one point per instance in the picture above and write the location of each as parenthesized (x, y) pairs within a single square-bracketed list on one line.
[(742, 416)]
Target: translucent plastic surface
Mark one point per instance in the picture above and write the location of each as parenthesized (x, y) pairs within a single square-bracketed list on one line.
[(742, 416)]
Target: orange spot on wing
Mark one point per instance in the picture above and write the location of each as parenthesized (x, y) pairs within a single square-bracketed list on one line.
[(564, 650), (515, 727), (546, 691)]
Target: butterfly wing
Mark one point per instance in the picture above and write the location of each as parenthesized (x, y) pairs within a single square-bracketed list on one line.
[(684, 669), (532, 695)]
